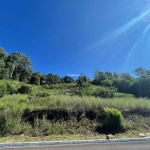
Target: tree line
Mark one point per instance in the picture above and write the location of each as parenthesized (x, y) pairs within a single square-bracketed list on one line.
[(17, 66)]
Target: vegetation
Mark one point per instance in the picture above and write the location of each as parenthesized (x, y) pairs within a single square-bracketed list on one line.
[(24, 89), (113, 120), (17, 66), (34, 104), (55, 115)]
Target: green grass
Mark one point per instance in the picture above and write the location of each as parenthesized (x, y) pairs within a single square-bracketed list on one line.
[(12, 107), (51, 90), (73, 102), (123, 95), (64, 137), (87, 103)]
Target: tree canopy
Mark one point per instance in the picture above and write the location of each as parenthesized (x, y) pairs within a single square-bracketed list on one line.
[(17, 66)]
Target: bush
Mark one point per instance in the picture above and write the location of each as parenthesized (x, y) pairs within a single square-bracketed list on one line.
[(82, 92), (3, 90), (35, 80), (113, 120), (10, 89), (24, 89), (104, 92), (6, 89)]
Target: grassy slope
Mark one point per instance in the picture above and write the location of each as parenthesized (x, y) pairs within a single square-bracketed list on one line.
[(13, 107)]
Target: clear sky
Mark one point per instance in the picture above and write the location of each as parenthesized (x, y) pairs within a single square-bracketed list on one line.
[(78, 36)]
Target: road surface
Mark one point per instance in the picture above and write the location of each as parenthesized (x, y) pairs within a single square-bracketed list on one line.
[(102, 146)]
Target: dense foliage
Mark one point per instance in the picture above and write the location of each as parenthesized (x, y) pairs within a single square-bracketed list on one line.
[(49, 111), (37, 104), (18, 67), (24, 89)]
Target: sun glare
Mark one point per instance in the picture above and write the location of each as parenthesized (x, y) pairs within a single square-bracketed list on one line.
[(142, 20)]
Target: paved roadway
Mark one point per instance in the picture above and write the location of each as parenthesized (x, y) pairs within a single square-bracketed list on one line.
[(102, 146)]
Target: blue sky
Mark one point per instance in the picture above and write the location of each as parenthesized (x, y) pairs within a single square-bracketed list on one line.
[(78, 36)]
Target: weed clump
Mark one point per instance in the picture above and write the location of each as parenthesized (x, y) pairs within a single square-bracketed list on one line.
[(113, 120)]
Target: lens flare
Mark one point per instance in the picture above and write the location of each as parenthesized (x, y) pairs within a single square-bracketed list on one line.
[(141, 24), (119, 31), (137, 44)]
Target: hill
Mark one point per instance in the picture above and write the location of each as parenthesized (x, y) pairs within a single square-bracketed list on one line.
[(48, 112)]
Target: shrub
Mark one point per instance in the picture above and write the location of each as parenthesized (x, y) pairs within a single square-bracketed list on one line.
[(24, 89), (104, 92), (3, 90), (113, 120), (10, 89), (35, 80), (6, 89), (82, 92)]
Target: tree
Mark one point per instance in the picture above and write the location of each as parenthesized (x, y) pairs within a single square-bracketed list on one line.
[(24, 74), (83, 81), (4, 73), (148, 73), (53, 79), (108, 75), (3, 56), (16, 60), (43, 80), (107, 83), (123, 85), (126, 76), (57, 79), (140, 72), (141, 88), (67, 79), (3, 70), (35, 79), (124, 82), (115, 75), (37, 75), (99, 77)]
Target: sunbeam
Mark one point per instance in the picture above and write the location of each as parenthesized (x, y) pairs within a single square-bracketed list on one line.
[(137, 43), (129, 55), (120, 31), (116, 52), (121, 47), (147, 28), (119, 41)]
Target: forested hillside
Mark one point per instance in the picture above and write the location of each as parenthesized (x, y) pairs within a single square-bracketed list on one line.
[(18, 67), (36, 104)]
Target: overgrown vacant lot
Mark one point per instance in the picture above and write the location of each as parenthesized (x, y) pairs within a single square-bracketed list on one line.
[(69, 115), (47, 113)]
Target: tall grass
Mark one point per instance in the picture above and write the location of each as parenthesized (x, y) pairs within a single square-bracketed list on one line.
[(88, 103), (12, 107), (20, 102)]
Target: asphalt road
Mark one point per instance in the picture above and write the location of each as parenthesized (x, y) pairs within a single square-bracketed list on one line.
[(102, 146)]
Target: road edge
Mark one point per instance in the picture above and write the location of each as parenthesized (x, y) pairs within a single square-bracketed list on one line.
[(44, 143)]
